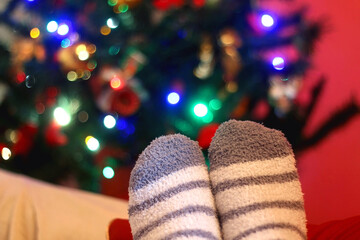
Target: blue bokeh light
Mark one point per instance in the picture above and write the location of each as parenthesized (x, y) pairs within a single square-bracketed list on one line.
[(108, 172), (63, 29), (52, 26), (267, 20), (173, 98), (278, 63)]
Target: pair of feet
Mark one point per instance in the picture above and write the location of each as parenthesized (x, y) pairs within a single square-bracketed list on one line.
[(252, 190)]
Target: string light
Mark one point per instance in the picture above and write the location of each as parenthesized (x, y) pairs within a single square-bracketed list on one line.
[(278, 63), (83, 116), (123, 8), (91, 48), (105, 30), (5, 153), (108, 172), (61, 116), (34, 33), (112, 2), (65, 43), (80, 48), (215, 104), (63, 29), (116, 83), (71, 76), (83, 55), (87, 75), (112, 23), (52, 26), (267, 20), (208, 117), (113, 50), (200, 110), (109, 121), (173, 98), (92, 143)]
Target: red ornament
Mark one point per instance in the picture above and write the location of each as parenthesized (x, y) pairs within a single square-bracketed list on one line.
[(125, 102), (53, 135), (26, 135), (206, 134)]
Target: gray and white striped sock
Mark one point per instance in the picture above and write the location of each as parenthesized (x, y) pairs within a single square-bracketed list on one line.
[(170, 195), (255, 183)]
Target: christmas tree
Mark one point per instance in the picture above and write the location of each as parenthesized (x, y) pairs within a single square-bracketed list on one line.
[(86, 85)]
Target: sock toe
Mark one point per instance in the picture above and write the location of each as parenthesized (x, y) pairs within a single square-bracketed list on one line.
[(255, 183), (169, 192)]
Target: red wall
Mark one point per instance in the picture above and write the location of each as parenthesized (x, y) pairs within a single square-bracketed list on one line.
[(330, 171)]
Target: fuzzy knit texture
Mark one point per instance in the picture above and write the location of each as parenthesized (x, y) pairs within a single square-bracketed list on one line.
[(169, 193), (255, 183)]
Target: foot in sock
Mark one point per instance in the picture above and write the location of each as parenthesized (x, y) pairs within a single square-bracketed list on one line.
[(255, 183), (169, 193)]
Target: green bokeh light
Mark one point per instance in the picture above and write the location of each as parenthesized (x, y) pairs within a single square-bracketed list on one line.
[(113, 50), (112, 2), (108, 172), (123, 8), (200, 110), (215, 104), (208, 117)]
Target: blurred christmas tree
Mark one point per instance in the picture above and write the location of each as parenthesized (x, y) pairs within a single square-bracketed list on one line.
[(85, 85)]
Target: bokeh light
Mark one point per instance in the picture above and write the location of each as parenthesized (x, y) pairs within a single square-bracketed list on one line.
[(83, 116), (200, 110), (61, 116), (112, 23), (112, 2), (86, 75), (83, 55), (5, 153), (113, 50), (34, 33), (71, 76), (30, 81), (52, 26), (108, 172), (208, 117), (278, 63), (123, 8), (91, 48), (116, 83), (20, 77), (80, 48), (109, 121), (121, 124), (92, 143), (267, 20), (173, 98), (105, 30), (91, 64), (215, 104), (65, 43), (63, 29)]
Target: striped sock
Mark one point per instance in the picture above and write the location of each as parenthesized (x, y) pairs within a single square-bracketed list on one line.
[(255, 183), (170, 195)]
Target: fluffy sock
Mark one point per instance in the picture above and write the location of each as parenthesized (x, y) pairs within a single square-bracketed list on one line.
[(170, 195), (255, 183)]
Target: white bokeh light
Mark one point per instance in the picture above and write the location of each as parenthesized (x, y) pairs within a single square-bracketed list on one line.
[(61, 116), (109, 121)]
